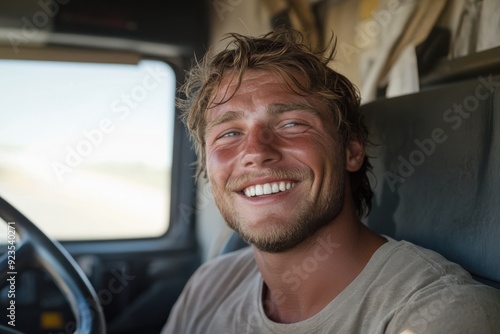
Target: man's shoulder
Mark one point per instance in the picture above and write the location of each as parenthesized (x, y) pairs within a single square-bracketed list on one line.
[(451, 305), (439, 295), (218, 280), (422, 264), (421, 269)]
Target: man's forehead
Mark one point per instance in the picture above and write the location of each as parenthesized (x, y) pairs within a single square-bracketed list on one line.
[(255, 80), (252, 79)]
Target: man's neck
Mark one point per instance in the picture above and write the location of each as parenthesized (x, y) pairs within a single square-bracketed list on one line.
[(300, 282)]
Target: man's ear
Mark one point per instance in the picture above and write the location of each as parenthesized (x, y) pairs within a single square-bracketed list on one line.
[(355, 155)]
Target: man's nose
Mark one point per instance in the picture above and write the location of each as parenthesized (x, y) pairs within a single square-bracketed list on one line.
[(260, 148)]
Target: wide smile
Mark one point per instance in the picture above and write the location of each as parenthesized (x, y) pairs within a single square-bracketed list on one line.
[(268, 188)]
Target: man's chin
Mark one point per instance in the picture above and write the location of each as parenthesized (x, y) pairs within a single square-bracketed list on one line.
[(268, 246), (271, 240), (275, 246), (280, 236)]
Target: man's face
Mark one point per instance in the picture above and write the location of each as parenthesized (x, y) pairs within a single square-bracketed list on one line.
[(274, 161)]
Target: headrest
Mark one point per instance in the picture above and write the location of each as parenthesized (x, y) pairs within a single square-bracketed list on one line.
[(436, 166)]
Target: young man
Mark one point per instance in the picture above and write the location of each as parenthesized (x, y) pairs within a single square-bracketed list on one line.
[(281, 139)]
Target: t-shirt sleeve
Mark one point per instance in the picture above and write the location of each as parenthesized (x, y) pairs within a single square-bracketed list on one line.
[(208, 287), (453, 308), (179, 317), (175, 323)]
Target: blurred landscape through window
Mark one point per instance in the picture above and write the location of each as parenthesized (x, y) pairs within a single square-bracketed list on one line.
[(86, 148)]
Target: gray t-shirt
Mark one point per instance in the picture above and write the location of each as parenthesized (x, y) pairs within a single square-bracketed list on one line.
[(403, 289)]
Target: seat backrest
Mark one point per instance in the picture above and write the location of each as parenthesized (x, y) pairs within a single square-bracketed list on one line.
[(233, 243), (436, 162)]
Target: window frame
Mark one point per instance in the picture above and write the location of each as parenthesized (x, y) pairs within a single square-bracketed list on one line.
[(180, 233)]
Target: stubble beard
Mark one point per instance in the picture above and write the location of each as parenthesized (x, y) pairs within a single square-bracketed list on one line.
[(280, 236)]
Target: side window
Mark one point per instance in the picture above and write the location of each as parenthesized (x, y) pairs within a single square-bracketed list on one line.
[(86, 148)]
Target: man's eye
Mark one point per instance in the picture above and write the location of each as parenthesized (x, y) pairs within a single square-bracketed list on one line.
[(293, 127), (292, 124), (230, 134)]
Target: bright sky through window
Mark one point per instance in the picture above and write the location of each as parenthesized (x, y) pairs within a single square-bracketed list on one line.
[(86, 149)]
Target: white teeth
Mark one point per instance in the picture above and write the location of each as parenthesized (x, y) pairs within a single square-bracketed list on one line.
[(259, 190), (268, 188), (282, 186)]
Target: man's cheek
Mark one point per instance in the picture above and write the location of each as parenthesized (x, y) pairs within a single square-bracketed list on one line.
[(218, 168), (216, 180)]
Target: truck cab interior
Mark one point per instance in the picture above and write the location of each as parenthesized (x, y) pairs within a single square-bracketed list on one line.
[(102, 222)]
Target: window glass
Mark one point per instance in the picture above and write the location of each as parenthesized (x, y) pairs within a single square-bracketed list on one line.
[(86, 148)]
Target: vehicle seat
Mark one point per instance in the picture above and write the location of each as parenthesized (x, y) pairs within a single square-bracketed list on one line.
[(233, 243), (436, 162)]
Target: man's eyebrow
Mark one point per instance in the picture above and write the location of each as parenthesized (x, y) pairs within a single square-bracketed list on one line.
[(225, 117)]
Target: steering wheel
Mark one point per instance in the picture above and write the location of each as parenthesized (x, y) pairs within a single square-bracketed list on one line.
[(37, 248)]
